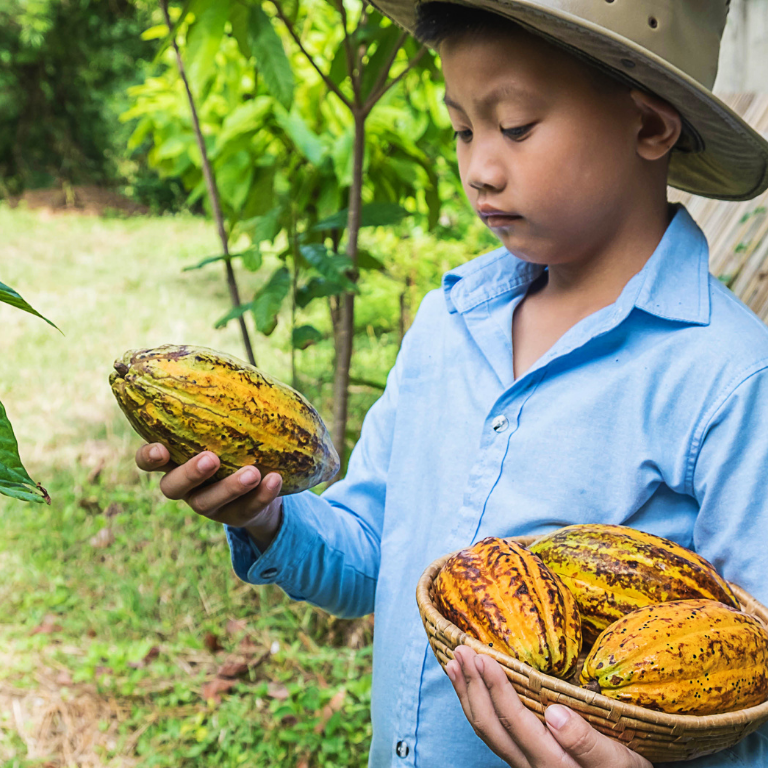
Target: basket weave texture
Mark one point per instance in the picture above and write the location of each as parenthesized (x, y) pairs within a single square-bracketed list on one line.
[(657, 736)]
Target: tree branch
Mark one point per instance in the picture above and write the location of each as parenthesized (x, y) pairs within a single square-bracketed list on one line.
[(348, 51), (382, 78), (376, 95), (210, 183), (293, 34)]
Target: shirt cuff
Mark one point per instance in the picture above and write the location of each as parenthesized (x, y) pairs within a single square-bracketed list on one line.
[(275, 564)]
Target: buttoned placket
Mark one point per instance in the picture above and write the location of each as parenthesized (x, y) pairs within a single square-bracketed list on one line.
[(501, 424)]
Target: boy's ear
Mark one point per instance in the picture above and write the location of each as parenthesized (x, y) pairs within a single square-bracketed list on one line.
[(660, 125)]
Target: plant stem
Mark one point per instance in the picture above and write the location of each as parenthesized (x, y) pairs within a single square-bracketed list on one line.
[(346, 325), (294, 285), (213, 192)]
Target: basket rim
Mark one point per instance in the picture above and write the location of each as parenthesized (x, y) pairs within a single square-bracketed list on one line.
[(590, 698)]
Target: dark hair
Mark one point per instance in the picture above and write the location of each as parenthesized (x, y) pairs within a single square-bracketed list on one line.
[(436, 21)]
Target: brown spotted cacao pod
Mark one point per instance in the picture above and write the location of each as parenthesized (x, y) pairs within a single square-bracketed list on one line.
[(695, 657), (612, 570), (194, 399), (508, 599)]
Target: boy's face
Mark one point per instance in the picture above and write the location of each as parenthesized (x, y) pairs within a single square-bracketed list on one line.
[(542, 138)]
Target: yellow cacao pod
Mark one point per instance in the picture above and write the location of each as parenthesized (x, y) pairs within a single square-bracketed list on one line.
[(612, 570), (696, 657), (194, 399), (508, 599)]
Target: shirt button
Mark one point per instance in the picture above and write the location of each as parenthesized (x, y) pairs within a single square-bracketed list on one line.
[(268, 573), (402, 749), (500, 423)]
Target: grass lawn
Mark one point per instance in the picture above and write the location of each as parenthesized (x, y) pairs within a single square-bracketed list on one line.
[(125, 638)]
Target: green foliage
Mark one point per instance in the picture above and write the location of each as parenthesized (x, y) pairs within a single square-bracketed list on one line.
[(63, 67), (9, 296), (14, 479), (281, 148)]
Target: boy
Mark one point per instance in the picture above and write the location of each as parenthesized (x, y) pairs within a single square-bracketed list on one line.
[(589, 370)]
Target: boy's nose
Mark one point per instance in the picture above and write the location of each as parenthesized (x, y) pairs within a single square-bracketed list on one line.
[(485, 171)]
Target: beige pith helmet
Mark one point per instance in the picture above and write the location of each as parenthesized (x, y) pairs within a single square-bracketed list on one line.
[(667, 47)]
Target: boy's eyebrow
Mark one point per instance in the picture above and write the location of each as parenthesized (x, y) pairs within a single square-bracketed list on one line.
[(498, 93)]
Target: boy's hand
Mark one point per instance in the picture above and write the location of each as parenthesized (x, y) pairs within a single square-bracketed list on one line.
[(516, 735), (242, 500)]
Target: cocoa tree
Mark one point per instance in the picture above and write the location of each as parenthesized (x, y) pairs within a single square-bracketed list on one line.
[(290, 151)]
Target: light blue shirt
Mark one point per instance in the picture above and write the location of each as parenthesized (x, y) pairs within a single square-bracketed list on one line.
[(652, 413)]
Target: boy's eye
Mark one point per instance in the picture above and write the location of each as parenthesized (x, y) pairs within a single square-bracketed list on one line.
[(517, 133), (463, 135)]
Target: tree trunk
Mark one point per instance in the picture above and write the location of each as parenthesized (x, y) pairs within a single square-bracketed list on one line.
[(346, 325)]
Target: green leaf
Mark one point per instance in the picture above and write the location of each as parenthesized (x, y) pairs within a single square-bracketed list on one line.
[(366, 383), (268, 300), (305, 336), (366, 260), (339, 69), (233, 178), (386, 44), (317, 288), (245, 118), (343, 156), (9, 296), (175, 31), (203, 41), (261, 195), (238, 18), (252, 258), (233, 314), (155, 33), (205, 262), (306, 141), (372, 215), (14, 480), (330, 265), (270, 57), (264, 227)]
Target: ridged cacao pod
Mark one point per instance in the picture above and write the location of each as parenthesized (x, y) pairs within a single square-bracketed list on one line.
[(612, 570), (508, 599), (194, 399), (696, 657)]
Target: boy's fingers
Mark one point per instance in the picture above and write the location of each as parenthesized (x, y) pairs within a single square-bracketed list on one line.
[(482, 714), (587, 747), (235, 504), (179, 482), (523, 727), (154, 457)]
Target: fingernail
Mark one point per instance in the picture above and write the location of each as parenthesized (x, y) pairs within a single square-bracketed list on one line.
[(449, 671), (273, 483), (206, 463), (480, 664), (155, 453), (556, 715), (248, 477)]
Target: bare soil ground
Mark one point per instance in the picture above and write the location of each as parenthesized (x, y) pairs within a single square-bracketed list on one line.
[(90, 200)]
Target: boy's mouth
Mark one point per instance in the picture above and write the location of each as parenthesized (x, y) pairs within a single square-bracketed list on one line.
[(493, 217)]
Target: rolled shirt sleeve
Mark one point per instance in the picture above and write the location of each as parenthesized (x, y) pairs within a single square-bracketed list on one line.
[(327, 551)]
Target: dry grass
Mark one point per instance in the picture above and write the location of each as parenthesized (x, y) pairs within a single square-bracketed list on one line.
[(64, 725)]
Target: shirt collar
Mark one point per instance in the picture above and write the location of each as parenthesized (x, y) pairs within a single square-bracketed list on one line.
[(673, 284)]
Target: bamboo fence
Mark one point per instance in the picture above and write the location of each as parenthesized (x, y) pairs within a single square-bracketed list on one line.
[(737, 232)]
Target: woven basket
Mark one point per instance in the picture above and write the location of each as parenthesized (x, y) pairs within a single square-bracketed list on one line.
[(657, 736)]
